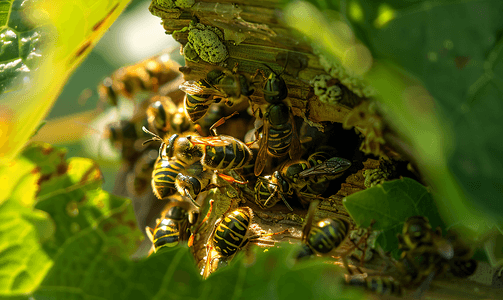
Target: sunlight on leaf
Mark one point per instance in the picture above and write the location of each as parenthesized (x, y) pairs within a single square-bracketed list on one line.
[(43, 42)]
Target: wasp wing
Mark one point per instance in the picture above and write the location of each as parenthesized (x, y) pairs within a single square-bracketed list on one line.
[(215, 141), (295, 149), (334, 166), (261, 159)]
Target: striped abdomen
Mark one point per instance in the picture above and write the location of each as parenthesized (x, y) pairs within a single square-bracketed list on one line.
[(327, 235), (234, 155), (164, 174), (195, 106), (230, 232), (279, 140), (166, 234)]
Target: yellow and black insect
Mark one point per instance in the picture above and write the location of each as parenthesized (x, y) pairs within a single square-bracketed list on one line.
[(196, 181), (270, 189), (279, 132), (381, 285), (145, 76), (232, 85), (165, 117), (222, 152), (164, 176), (229, 235), (200, 95), (279, 136), (172, 227), (219, 84), (323, 237), (416, 232)]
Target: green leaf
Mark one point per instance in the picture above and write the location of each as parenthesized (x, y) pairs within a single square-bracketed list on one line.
[(461, 65), (49, 159), (22, 259), (59, 225), (390, 204), (41, 44), (274, 275)]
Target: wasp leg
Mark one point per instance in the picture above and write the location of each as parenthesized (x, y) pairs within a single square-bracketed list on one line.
[(230, 179), (286, 203), (220, 122)]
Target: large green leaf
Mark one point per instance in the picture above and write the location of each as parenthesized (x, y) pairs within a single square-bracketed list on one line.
[(274, 275), (56, 220), (41, 44), (435, 67), (390, 204), (454, 47)]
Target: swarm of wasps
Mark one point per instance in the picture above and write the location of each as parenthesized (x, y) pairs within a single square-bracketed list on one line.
[(194, 163)]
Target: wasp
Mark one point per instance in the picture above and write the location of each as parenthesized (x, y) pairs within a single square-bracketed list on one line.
[(233, 86), (324, 236), (164, 176), (138, 180), (380, 285), (416, 232), (218, 85), (218, 152), (145, 76), (222, 152), (198, 98), (456, 255), (171, 175), (279, 132), (172, 227), (229, 235), (165, 116), (270, 189)]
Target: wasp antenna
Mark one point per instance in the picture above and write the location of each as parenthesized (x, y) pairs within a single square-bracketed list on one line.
[(270, 69), (150, 140), (151, 133), (286, 63), (220, 122)]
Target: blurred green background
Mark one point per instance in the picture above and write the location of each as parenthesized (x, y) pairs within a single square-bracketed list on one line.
[(125, 43)]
